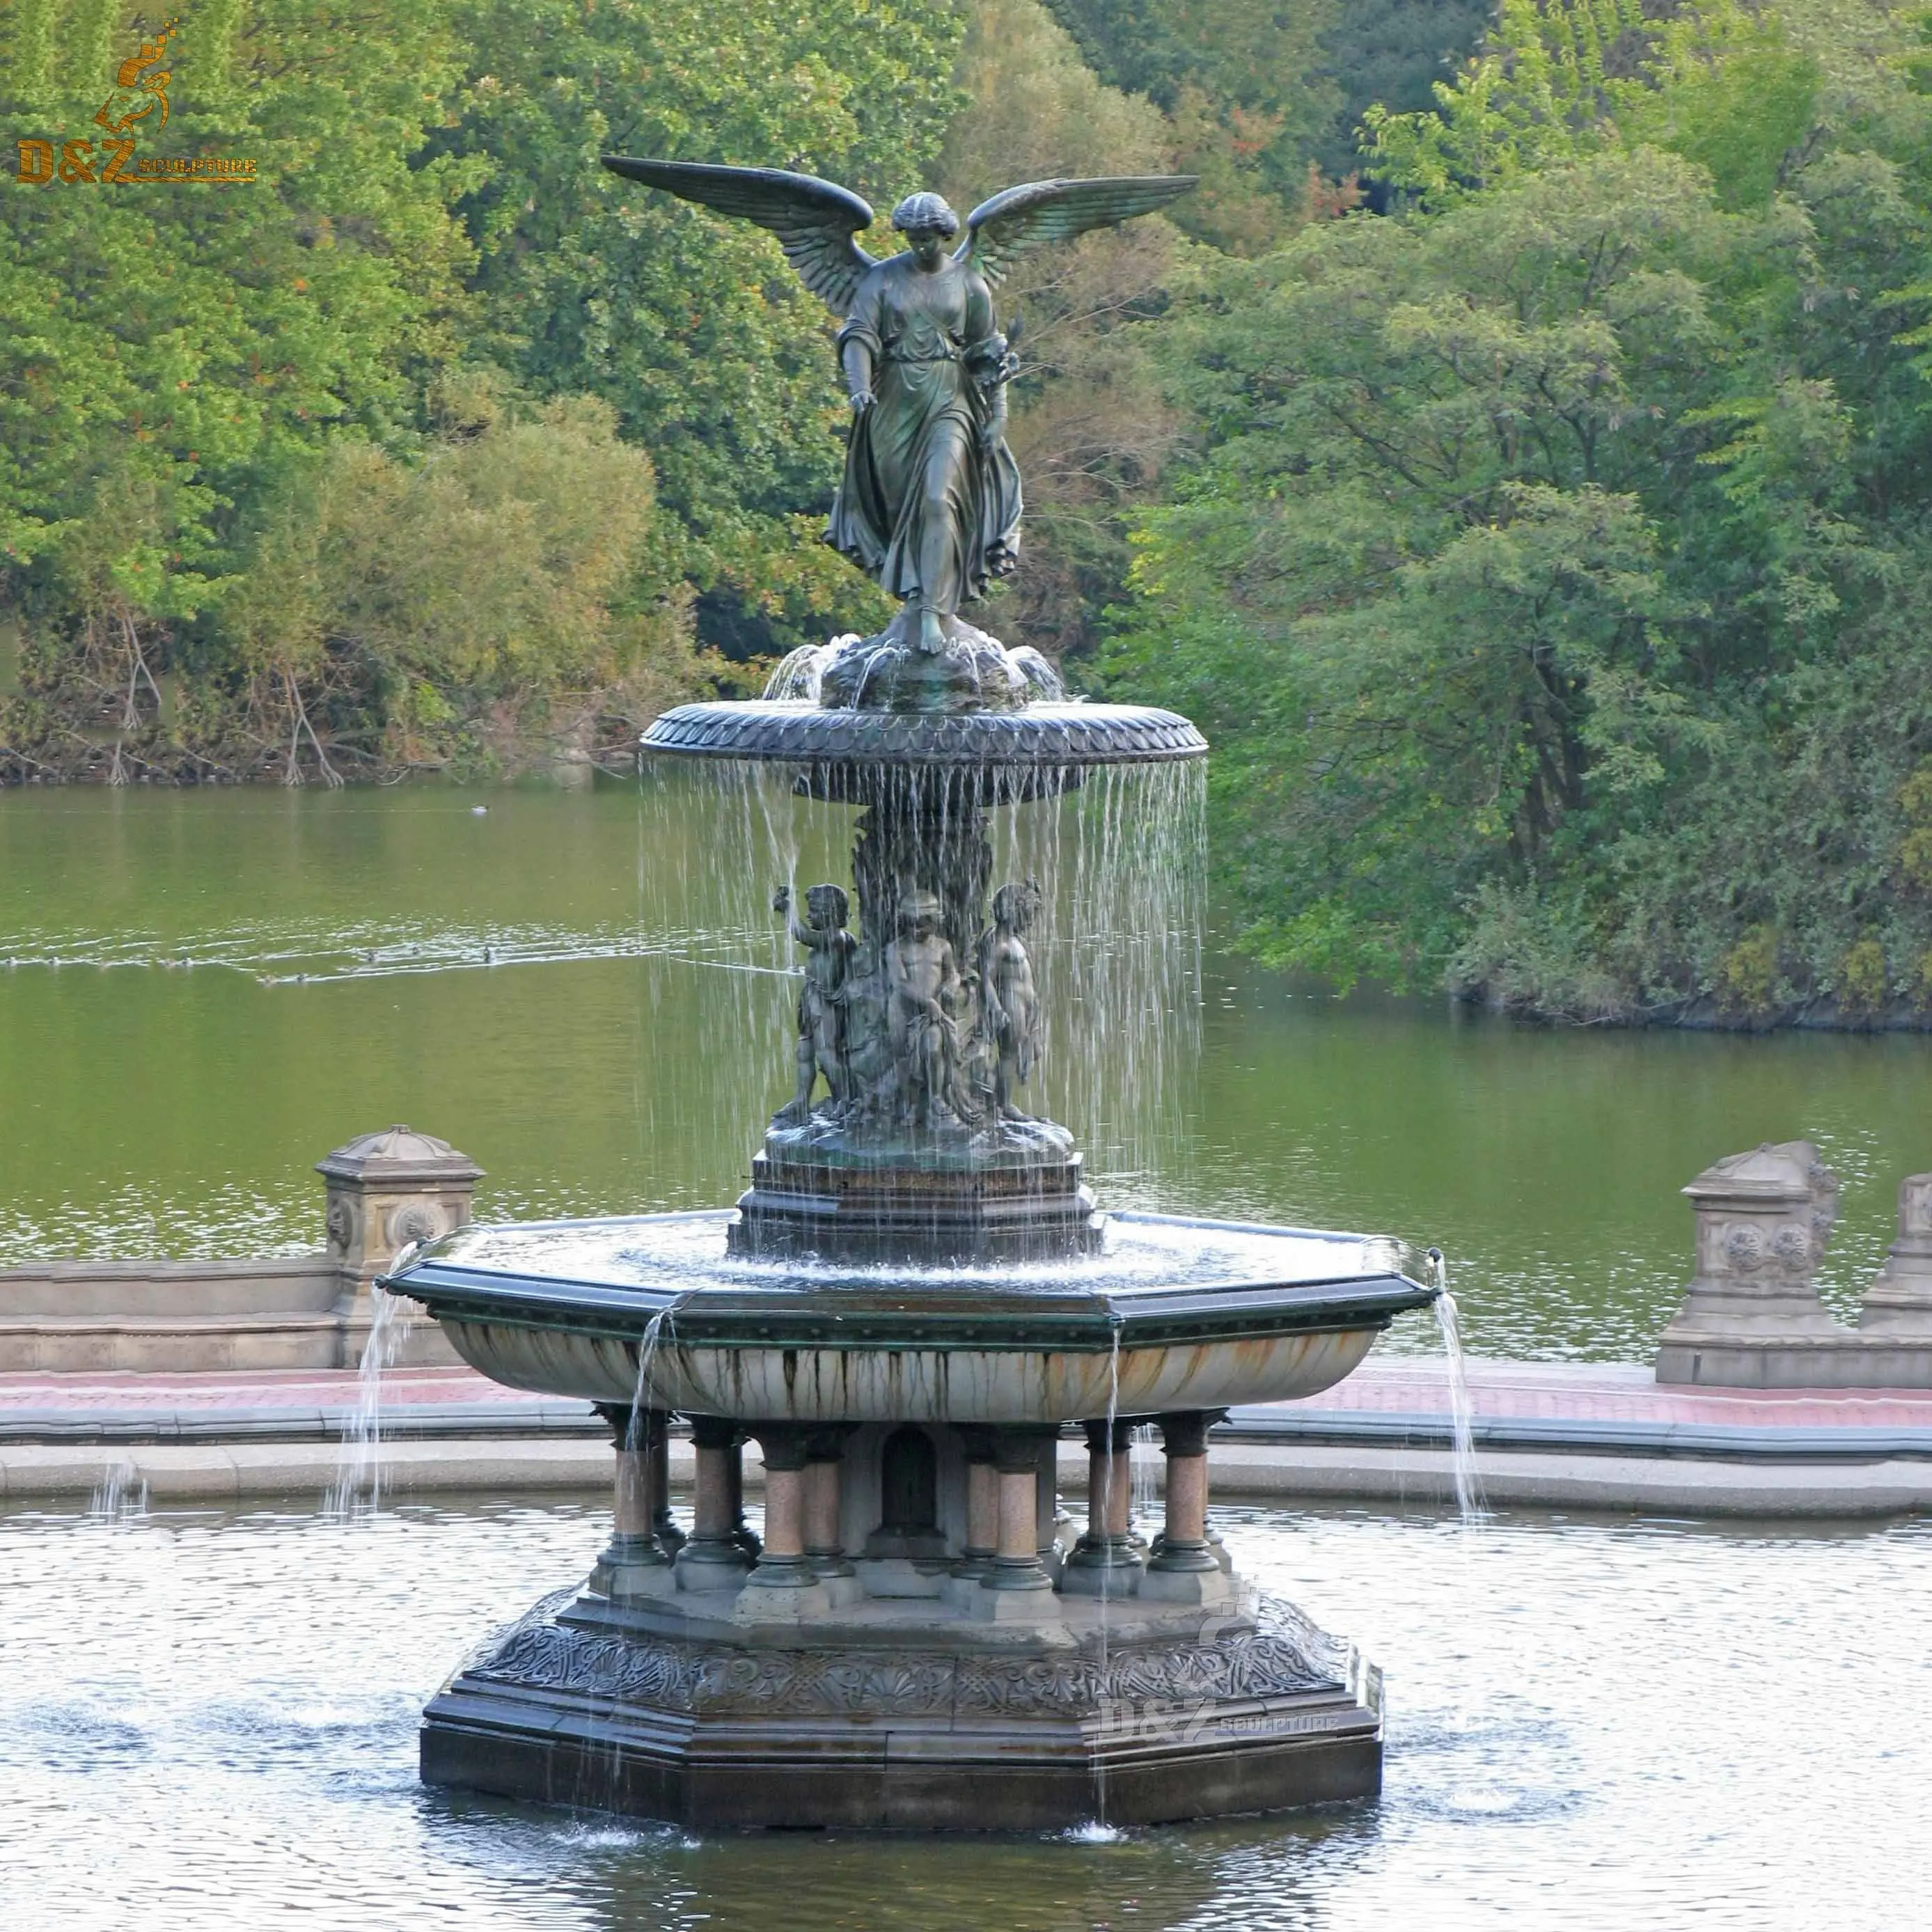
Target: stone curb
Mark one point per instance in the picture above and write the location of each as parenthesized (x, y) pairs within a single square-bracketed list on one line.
[(71, 1473), (1675, 1485)]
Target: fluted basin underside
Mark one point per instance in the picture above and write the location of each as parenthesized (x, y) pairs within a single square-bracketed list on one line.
[(1171, 1315)]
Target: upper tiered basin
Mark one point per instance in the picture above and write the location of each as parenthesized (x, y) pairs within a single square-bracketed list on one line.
[(1008, 756), (1171, 1314)]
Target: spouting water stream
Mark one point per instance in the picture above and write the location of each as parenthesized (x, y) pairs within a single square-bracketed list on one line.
[(1142, 1455), (654, 1329), (358, 1466), (120, 1496), (1469, 1501)]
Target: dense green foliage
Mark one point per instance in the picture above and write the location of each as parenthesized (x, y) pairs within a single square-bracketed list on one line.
[(1540, 525), (1554, 581), (195, 367)]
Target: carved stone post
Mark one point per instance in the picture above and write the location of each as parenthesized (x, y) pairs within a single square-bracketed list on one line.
[(1185, 1568), (385, 1190), (1899, 1301), (1762, 1221), (824, 1543), (1104, 1562), (982, 1503), (713, 1559), (783, 1565), (1016, 1566), (634, 1563)]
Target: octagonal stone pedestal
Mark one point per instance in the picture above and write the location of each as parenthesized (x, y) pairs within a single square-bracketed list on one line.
[(898, 1716), (908, 1651)]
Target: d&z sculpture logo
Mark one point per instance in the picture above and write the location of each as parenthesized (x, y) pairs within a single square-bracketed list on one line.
[(138, 106)]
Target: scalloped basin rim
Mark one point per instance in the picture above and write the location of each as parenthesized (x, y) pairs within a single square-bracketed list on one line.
[(1041, 735)]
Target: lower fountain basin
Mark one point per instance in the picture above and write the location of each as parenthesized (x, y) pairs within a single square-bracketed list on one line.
[(1170, 1314)]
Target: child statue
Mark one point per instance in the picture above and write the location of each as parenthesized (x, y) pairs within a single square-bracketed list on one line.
[(1009, 1002), (927, 992), (823, 999)]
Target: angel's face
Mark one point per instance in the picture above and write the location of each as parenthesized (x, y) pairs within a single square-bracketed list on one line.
[(928, 246)]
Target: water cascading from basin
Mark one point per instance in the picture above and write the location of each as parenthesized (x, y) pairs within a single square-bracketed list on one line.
[(1119, 860)]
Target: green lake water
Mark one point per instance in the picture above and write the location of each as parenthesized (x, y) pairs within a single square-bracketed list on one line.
[(587, 993)]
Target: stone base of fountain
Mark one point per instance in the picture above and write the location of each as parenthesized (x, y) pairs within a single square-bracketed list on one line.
[(913, 1715)]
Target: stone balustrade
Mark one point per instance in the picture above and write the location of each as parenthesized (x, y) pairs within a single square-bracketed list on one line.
[(1752, 1317), (383, 1191)]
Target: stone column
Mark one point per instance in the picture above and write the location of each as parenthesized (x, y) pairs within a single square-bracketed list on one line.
[(982, 1503), (783, 1565), (742, 1533), (824, 1541), (1016, 1566), (712, 1559), (1899, 1301), (663, 1525), (1104, 1562), (385, 1190), (634, 1563), (1186, 1567), (1751, 1318)]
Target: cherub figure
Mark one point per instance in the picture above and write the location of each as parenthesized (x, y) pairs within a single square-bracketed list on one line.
[(823, 999), (926, 992), (1008, 1001)]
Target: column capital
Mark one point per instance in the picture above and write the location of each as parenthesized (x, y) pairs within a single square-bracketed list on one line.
[(714, 1432), (825, 1441), (784, 1446), (653, 1425), (1184, 1432), (1018, 1446)]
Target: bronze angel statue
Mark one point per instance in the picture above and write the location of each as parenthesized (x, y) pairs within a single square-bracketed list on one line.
[(929, 504)]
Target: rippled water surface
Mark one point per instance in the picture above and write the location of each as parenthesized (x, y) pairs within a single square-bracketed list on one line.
[(208, 1722), (589, 995)]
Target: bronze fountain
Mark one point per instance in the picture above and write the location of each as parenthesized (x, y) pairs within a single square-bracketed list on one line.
[(917, 1295)]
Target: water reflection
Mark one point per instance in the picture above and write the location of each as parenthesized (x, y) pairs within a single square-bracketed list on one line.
[(1602, 1724)]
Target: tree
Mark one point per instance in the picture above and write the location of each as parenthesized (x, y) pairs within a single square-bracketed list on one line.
[(1247, 84), (176, 347), (462, 611), (1550, 583), (691, 327)]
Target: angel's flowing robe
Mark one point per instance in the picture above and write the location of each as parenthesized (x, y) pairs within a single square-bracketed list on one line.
[(925, 506)]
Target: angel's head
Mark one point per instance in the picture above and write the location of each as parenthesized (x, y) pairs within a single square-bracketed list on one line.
[(927, 224)]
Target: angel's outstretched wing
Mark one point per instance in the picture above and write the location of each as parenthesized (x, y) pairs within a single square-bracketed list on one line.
[(999, 230), (814, 220)]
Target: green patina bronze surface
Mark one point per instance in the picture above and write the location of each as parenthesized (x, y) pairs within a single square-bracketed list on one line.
[(929, 505)]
